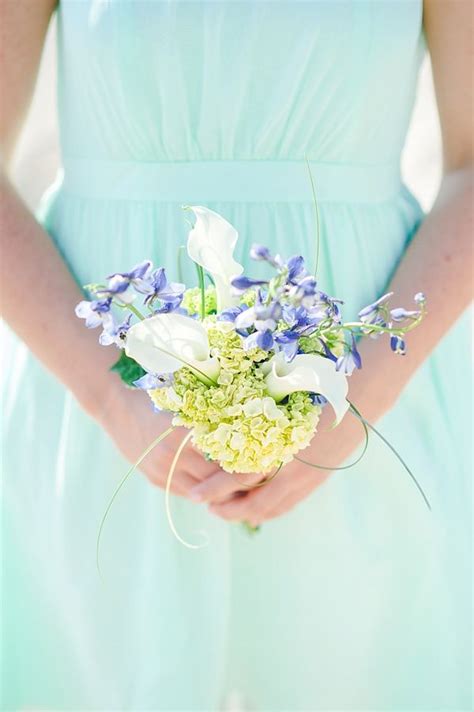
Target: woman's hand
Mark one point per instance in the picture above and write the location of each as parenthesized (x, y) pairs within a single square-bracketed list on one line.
[(290, 486), (227, 498), (129, 419)]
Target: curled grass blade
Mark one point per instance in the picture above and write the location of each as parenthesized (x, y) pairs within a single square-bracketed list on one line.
[(169, 480), (395, 452), (128, 474)]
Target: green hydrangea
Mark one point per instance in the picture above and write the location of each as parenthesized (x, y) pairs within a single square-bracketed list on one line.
[(235, 422), (192, 300)]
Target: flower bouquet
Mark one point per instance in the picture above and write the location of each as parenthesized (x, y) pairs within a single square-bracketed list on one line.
[(246, 365)]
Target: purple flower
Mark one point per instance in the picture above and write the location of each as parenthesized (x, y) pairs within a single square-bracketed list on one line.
[(261, 339), (261, 316), (397, 345), (231, 313), (375, 313), (350, 360), (150, 381), (306, 287), (317, 399), (296, 269), (265, 339), (260, 253), (172, 306), (115, 333), (327, 351), (119, 282), (95, 312), (156, 286), (400, 314), (241, 284), (331, 307), (287, 342)]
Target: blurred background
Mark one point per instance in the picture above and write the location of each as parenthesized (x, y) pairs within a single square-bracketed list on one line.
[(37, 157)]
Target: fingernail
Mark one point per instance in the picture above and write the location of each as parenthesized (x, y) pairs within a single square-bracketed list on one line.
[(196, 495)]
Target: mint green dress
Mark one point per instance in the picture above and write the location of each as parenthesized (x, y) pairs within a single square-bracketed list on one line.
[(359, 598)]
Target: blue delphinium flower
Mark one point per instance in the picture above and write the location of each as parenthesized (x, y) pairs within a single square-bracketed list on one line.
[(327, 351), (303, 291), (263, 318), (317, 399), (241, 284), (350, 360), (260, 253), (328, 307), (156, 286), (374, 314), (296, 270), (300, 320), (287, 342), (115, 333), (231, 313), (95, 312), (397, 344), (400, 314), (119, 282), (151, 381)]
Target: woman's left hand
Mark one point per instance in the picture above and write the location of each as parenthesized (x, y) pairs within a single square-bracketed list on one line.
[(290, 486), (236, 498)]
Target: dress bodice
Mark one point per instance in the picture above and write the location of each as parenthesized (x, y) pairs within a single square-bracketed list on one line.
[(156, 80)]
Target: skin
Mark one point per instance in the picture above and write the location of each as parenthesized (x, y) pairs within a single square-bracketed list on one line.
[(440, 254), (44, 316)]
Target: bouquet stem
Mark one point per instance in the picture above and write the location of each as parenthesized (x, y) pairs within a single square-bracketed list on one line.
[(249, 528)]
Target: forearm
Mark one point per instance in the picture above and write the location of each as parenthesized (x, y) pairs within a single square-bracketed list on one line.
[(438, 262), (38, 295)]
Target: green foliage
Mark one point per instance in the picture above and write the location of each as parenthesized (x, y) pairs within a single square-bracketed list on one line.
[(128, 369)]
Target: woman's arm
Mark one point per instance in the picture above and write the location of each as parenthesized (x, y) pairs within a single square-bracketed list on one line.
[(38, 294), (438, 262)]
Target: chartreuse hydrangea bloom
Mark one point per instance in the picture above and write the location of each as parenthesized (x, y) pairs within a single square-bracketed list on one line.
[(235, 422), (192, 300)]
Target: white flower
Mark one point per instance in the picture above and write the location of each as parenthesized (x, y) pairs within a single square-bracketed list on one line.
[(166, 342), (271, 410), (311, 373), (211, 244), (253, 407)]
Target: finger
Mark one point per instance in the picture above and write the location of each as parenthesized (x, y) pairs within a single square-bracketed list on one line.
[(221, 485), (181, 484), (254, 505), (199, 467), (290, 499), (283, 506)]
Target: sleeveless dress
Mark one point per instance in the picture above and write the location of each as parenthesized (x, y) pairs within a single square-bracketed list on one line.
[(359, 598)]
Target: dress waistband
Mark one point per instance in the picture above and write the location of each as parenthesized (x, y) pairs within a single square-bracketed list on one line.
[(194, 182)]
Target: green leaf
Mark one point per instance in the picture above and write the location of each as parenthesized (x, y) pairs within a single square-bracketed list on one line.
[(128, 369)]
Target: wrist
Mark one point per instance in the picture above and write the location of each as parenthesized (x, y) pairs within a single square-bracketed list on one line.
[(99, 395)]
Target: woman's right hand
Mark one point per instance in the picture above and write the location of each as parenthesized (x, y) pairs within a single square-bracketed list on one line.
[(129, 419)]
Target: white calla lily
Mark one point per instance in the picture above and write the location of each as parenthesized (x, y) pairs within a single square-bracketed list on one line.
[(211, 244), (307, 372), (166, 342)]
